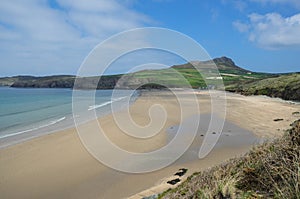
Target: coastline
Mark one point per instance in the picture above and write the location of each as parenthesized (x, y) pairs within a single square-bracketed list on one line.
[(57, 165), (21, 137), (61, 123)]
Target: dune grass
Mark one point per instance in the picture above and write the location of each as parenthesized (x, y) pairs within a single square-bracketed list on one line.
[(285, 86), (271, 170)]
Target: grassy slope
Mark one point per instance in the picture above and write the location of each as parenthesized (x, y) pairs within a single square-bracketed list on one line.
[(174, 76), (286, 86), (170, 77), (271, 170)]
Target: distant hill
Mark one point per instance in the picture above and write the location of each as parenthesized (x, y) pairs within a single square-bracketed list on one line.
[(172, 77), (58, 81), (235, 79), (222, 63)]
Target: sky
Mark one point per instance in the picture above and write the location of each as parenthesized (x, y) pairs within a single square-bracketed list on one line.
[(48, 37)]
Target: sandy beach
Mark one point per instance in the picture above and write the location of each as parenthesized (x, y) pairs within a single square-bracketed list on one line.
[(57, 165)]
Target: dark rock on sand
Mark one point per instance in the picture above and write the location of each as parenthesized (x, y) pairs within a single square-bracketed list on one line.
[(277, 120), (181, 172), (174, 181)]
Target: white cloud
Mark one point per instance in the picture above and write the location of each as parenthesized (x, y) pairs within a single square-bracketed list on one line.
[(33, 20), (36, 37), (241, 26), (98, 17), (272, 30), (240, 5), (290, 2), (214, 14)]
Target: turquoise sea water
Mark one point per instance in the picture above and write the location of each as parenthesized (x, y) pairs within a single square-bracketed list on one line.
[(31, 111)]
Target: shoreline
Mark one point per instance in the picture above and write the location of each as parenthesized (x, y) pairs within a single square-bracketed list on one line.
[(54, 126), (58, 166), (18, 138)]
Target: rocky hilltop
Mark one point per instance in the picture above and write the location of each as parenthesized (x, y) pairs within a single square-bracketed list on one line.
[(222, 63)]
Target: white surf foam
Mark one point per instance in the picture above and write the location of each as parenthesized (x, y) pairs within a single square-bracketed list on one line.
[(34, 128), (105, 103)]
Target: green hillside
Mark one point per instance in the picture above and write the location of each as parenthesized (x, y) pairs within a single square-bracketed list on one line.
[(285, 86), (179, 78), (234, 78), (187, 75), (182, 76)]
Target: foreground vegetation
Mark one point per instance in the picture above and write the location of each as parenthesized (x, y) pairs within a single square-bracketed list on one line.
[(271, 170), (285, 86)]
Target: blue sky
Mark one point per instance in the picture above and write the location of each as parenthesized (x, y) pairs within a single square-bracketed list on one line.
[(45, 37)]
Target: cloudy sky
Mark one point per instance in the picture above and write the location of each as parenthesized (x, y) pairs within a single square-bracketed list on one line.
[(43, 37)]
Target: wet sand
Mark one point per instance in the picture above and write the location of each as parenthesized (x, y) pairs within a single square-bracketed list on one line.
[(57, 165)]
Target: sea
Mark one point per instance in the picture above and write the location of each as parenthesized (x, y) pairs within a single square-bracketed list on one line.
[(30, 112)]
